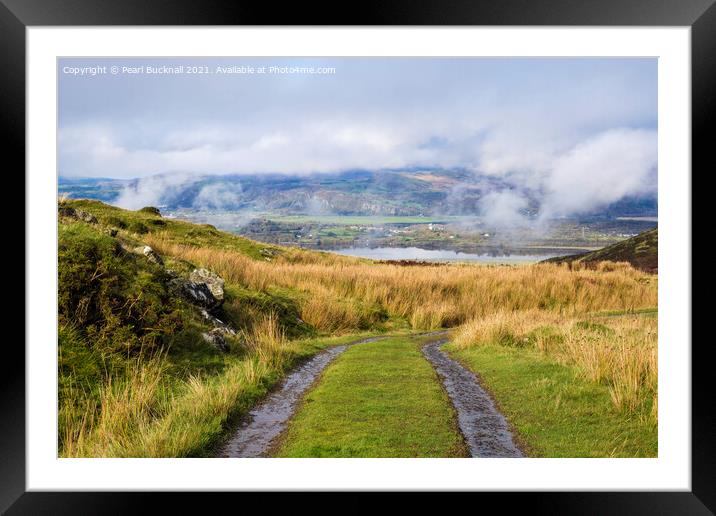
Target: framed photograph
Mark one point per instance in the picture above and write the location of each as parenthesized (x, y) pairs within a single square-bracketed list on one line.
[(446, 248)]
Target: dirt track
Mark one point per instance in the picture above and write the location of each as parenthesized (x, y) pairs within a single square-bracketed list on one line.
[(266, 421), (484, 428)]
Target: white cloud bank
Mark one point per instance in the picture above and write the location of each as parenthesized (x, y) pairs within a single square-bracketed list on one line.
[(600, 171), (594, 173), (580, 131)]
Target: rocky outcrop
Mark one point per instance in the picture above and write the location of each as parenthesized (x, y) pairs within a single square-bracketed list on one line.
[(218, 323), (151, 255), (216, 338), (268, 253), (214, 283), (74, 213), (196, 293), (203, 289)]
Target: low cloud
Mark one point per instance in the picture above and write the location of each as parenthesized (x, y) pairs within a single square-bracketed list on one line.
[(504, 209), (218, 196), (154, 190), (600, 171), (591, 175), (561, 134)]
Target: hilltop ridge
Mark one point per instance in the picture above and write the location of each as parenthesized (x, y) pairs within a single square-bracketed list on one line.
[(641, 251)]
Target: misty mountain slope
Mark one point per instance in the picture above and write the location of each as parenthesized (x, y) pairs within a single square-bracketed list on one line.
[(642, 251), (385, 193)]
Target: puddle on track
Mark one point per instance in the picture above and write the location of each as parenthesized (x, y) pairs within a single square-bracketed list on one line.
[(486, 431), (267, 420)]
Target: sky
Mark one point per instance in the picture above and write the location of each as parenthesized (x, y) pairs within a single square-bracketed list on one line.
[(555, 123)]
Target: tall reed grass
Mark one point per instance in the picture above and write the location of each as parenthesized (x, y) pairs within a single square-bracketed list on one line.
[(147, 412), (428, 297), (144, 412), (620, 352)]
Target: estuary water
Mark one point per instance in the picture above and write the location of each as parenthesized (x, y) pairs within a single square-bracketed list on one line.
[(438, 255)]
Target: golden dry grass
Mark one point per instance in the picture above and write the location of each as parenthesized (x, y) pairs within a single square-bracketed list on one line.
[(620, 352), (267, 340), (141, 416), (427, 297)]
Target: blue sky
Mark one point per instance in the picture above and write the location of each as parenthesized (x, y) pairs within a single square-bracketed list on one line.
[(548, 121)]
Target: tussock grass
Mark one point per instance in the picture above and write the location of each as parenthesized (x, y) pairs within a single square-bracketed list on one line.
[(267, 340), (126, 403), (140, 417), (137, 381), (428, 297), (620, 352), (147, 413), (330, 315), (556, 412)]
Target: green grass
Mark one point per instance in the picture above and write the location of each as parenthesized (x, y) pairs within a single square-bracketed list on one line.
[(210, 425), (119, 300), (180, 416), (348, 220), (138, 223), (556, 413), (379, 399), (121, 327), (116, 315)]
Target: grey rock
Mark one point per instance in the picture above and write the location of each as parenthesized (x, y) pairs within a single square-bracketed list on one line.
[(151, 255), (74, 213), (196, 293), (87, 217), (216, 338), (211, 280), (218, 324), (64, 211)]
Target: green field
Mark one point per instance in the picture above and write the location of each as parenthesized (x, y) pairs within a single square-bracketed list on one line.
[(348, 220), (556, 413), (379, 399)]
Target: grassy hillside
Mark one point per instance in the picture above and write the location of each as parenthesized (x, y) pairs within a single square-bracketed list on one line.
[(132, 352), (138, 376), (641, 251)]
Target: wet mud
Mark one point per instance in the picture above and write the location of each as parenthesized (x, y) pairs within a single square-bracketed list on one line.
[(484, 428), (266, 421)]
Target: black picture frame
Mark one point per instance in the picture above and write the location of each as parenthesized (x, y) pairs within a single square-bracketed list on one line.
[(700, 15)]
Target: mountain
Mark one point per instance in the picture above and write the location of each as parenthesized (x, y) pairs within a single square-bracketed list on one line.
[(404, 192), (642, 251)]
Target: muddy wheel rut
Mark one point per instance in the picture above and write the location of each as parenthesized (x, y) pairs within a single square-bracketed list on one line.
[(268, 419), (484, 428)]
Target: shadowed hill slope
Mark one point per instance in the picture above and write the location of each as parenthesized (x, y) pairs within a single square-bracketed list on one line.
[(641, 251)]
